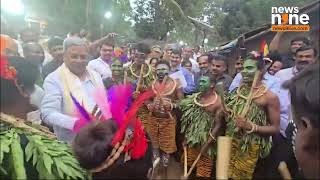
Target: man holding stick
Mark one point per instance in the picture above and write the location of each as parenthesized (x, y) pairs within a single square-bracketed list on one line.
[(161, 124), (199, 112), (255, 117), (139, 72), (141, 75)]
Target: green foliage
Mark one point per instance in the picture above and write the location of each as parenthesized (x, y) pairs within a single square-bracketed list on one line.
[(17, 158), (120, 20), (51, 158), (255, 114), (196, 124), (71, 15), (154, 18), (6, 138), (232, 18), (10, 147)]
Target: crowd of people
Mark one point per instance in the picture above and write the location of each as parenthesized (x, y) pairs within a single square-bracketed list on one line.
[(163, 103)]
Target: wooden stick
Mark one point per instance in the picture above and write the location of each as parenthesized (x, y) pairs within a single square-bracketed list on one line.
[(250, 96), (283, 169), (125, 77), (154, 165), (140, 78), (203, 149), (223, 157), (185, 161), (19, 123)]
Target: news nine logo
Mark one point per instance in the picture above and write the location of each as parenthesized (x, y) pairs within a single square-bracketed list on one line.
[(289, 19)]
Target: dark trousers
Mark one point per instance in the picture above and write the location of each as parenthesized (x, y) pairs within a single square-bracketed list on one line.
[(179, 137), (267, 168)]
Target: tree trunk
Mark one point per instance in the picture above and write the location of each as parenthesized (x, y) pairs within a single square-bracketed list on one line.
[(204, 37), (196, 35), (87, 13)]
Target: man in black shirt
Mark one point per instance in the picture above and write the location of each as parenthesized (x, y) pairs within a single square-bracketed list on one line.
[(56, 51), (219, 68)]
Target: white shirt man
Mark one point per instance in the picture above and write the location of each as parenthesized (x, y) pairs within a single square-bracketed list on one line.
[(102, 64), (187, 54), (304, 56), (101, 67), (72, 77)]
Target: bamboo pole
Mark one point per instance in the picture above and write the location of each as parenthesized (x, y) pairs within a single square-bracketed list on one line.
[(140, 78), (125, 77), (185, 161), (223, 157), (283, 169), (154, 165), (250, 96)]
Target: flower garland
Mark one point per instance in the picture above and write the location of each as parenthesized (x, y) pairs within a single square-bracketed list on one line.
[(163, 94), (136, 75), (207, 104), (7, 72), (196, 124)]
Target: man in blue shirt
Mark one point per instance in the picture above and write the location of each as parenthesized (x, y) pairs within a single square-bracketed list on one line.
[(175, 63)]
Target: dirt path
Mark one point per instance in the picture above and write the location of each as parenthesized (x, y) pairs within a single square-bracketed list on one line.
[(175, 171)]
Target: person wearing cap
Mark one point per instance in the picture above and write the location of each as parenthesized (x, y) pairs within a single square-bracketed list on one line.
[(156, 52), (74, 78)]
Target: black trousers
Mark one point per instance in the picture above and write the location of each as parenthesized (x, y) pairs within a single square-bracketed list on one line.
[(267, 168)]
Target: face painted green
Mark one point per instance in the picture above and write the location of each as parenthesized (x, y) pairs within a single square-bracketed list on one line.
[(117, 68), (204, 84), (162, 71), (249, 70)]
